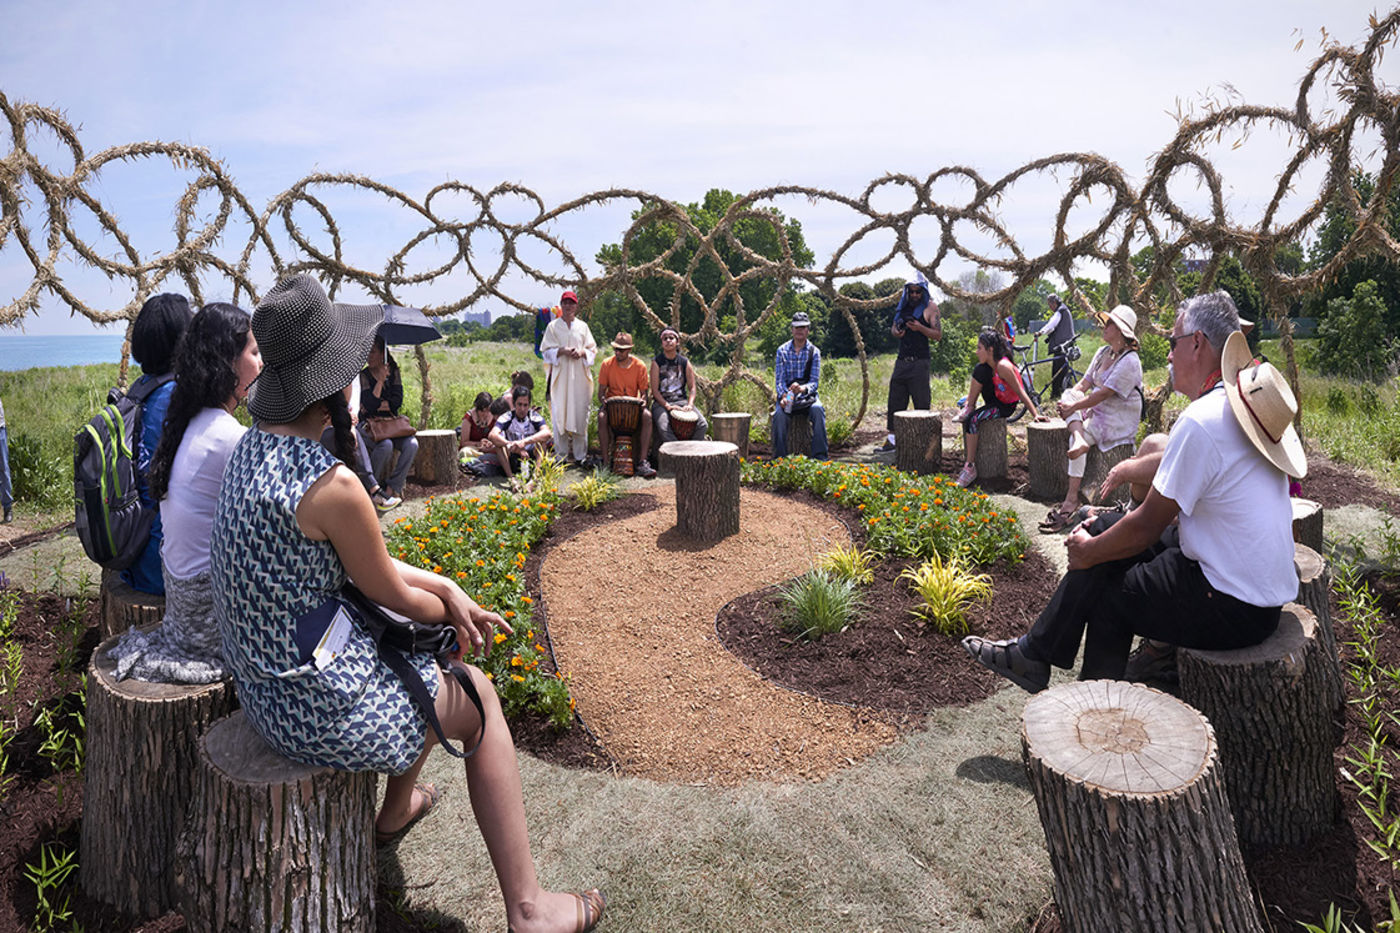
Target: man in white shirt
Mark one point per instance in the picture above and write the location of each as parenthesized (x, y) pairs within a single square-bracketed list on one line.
[(1218, 578)]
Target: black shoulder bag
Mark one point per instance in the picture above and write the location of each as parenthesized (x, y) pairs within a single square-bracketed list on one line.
[(397, 636), (803, 401)]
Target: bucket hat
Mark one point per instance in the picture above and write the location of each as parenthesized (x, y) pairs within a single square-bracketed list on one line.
[(310, 347), (1263, 405), (1125, 318), (623, 341)]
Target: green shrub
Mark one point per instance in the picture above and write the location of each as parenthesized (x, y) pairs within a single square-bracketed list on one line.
[(597, 489), (1368, 401), (38, 475), (1338, 402), (1351, 337), (1152, 351), (817, 604), (852, 563)]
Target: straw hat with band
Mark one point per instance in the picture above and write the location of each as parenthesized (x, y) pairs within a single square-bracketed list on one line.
[(1263, 405), (623, 341), (1124, 318), (311, 347)]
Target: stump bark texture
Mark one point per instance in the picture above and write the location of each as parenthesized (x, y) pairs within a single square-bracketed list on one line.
[(436, 463), (732, 427), (800, 434), (991, 449), (1270, 706), (1128, 784), (142, 756), (707, 488), (1314, 587), (1046, 458), (1097, 467), (271, 844), (124, 607), (1307, 523), (918, 441)]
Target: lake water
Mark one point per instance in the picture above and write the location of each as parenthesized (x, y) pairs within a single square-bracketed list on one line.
[(26, 351)]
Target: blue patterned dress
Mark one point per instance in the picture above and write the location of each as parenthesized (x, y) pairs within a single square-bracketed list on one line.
[(354, 715)]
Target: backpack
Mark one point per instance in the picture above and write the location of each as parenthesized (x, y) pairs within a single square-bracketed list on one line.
[(112, 523)]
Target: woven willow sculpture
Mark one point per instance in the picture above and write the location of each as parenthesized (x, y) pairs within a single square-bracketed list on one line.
[(1133, 217)]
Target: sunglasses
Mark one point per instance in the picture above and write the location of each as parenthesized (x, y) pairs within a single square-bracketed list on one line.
[(1172, 341)]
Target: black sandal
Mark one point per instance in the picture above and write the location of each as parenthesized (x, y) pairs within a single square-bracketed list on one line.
[(1055, 520), (1005, 658)]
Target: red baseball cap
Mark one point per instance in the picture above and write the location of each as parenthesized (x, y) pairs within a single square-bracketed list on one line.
[(568, 296)]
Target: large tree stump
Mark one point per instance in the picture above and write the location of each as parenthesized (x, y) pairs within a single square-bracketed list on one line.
[(271, 844), (1046, 458), (1097, 467), (1307, 523), (799, 434), (1270, 706), (1128, 784), (991, 449), (142, 750), (436, 463), (124, 607), (732, 427), (707, 488), (918, 441), (1314, 589)]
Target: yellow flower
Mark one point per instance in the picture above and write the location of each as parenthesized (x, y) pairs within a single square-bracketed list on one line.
[(517, 678), (499, 637), (515, 661)]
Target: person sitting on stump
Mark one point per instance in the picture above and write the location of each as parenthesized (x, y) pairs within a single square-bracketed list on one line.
[(673, 388), (1216, 580), (518, 433), (797, 371), (996, 382), (624, 376)]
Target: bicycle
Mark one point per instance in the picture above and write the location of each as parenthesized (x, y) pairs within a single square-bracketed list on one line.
[(1026, 367)]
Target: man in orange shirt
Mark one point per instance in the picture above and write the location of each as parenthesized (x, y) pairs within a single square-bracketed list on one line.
[(622, 374)]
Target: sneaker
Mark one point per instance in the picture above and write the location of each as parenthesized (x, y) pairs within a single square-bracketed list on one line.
[(384, 503), (968, 475), (645, 470), (889, 442), (9, 516)]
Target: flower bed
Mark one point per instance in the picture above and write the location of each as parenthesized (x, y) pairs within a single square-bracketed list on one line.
[(904, 515)]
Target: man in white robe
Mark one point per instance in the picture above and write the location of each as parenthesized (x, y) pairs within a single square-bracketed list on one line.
[(568, 349)]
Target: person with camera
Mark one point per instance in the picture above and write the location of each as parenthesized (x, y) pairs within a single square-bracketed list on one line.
[(915, 324)]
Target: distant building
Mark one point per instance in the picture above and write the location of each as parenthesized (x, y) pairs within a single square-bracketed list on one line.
[(1193, 265), (481, 317)]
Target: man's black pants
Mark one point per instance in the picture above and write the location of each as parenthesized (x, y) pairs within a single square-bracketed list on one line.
[(1160, 594), (910, 380)]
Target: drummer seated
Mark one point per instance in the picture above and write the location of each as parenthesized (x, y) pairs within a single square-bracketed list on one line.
[(624, 375), (518, 433), (673, 389)]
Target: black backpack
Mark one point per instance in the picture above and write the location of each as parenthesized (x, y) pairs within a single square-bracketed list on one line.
[(112, 523)]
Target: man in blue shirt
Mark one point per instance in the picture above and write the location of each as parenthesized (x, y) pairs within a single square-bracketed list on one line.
[(797, 372)]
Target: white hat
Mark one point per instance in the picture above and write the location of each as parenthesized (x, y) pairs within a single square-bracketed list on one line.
[(1126, 320), (1263, 405)]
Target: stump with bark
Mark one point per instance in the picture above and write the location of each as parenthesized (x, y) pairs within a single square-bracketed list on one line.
[(436, 463), (271, 844), (1271, 709), (1128, 784), (918, 441), (1314, 588), (1046, 458), (799, 434), (142, 756), (1307, 523), (1097, 467), (991, 449), (732, 427), (707, 488), (124, 607)]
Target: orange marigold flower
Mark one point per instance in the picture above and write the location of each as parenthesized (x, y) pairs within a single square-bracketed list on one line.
[(527, 600), (515, 661), (517, 678), (499, 637), (509, 614), (461, 575)]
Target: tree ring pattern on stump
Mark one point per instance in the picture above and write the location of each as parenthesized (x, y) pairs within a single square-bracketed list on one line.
[(1111, 730)]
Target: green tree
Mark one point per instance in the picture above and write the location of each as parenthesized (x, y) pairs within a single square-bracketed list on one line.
[(1351, 337), (1338, 226), (1030, 303), (761, 234)]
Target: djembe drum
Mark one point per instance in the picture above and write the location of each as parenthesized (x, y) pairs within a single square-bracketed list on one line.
[(683, 422), (624, 419)]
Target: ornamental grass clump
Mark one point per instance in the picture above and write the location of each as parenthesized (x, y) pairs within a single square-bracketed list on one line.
[(852, 563), (817, 604), (946, 590), (597, 489), (482, 545)]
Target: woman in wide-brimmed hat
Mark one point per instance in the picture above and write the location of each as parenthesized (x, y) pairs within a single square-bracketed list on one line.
[(1104, 407), (292, 523)]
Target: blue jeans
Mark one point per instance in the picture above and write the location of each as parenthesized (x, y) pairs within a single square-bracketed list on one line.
[(781, 419), (7, 497), (381, 453)]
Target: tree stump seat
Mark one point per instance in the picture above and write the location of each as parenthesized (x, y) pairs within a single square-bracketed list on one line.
[(1314, 589), (436, 463), (1129, 786), (707, 488), (142, 750), (1307, 523), (799, 434), (271, 844), (1096, 469), (991, 449), (918, 441), (124, 607), (1271, 706), (732, 427), (1046, 459)]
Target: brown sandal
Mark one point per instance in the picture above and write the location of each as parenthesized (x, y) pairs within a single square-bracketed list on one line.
[(590, 910), (430, 792)]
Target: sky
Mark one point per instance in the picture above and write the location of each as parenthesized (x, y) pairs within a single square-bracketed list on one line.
[(672, 99)]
